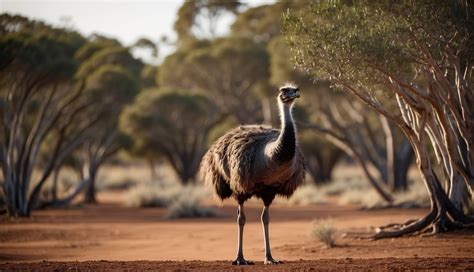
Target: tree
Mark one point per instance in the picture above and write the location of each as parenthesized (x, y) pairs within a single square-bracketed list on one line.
[(114, 87), (226, 69), (38, 98), (60, 95), (112, 75), (357, 132), (200, 17), (420, 56), (173, 124)]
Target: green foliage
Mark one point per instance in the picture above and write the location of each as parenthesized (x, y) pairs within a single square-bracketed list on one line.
[(359, 43), (149, 76), (112, 86), (225, 69), (115, 55), (171, 123), (263, 23), (37, 49), (197, 16), (147, 44)]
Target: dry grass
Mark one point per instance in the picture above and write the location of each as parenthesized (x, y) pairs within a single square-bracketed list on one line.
[(307, 194), (417, 195), (157, 195), (148, 195), (181, 201), (350, 187), (324, 231), (186, 207)]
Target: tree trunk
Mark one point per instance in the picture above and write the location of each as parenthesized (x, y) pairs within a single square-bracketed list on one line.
[(54, 186), (321, 170), (153, 174), (90, 191), (402, 164), (267, 112), (443, 214)]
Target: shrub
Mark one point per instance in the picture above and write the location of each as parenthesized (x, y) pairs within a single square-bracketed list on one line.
[(307, 194), (186, 207), (181, 201), (324, 231), (147, 196)]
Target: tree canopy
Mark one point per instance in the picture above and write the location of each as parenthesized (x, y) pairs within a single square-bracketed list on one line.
[(419, 55)]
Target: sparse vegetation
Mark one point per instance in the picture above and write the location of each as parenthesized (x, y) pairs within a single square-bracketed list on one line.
[(308, 194), (350, 187), (324, 231), (181, 201), (188, 207)]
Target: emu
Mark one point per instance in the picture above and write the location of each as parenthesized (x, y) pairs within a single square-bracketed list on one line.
[(259, 161)]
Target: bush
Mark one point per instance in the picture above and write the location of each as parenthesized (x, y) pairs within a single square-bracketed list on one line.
[(147, 196), (324, 231), (181, 201), (155, 195), (185, 207), (307, 194)]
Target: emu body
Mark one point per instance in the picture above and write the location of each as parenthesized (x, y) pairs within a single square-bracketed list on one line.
[(257, 161)]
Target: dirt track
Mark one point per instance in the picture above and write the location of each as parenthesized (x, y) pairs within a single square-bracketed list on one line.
[(314, 265), (110, 232)]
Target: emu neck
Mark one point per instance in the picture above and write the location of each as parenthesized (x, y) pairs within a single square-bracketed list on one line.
[(283, 149)]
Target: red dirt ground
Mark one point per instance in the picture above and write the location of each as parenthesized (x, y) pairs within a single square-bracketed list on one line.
[(112, 237)]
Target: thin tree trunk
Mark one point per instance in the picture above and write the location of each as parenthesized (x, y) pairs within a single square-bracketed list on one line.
[(54, 186), (403, 161), (267, 111), (153, 174), (90, 191), (344, 145)]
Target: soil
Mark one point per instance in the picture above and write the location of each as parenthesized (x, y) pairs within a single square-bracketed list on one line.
[(109, 236)]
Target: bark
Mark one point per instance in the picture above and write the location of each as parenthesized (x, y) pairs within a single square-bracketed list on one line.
[(344, 144), (90, 190), (321, 169), (84, 171), (56, 112), (153, 174), (403, 161), (54, 186), (443, 214)]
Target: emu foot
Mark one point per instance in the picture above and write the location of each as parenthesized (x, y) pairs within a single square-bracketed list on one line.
[(242, 261), (272, 261)]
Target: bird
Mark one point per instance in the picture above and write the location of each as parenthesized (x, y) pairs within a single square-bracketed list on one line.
[(257, 160)]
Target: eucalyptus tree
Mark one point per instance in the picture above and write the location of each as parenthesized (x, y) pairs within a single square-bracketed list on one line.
[(173, 124), (197, 19), (39, 97), (363, 135), (228, 70), (111, 76), (412, 63), (59, 96)]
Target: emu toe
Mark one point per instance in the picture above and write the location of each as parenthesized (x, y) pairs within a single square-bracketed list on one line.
[(272, 261), (242, 261)]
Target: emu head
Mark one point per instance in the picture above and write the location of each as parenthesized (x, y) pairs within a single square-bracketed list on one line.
[(288, 93)]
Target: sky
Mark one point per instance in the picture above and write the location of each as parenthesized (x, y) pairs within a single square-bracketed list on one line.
[(125, 20)]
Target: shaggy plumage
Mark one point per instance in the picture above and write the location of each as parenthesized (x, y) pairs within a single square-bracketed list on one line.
[(236, 165)]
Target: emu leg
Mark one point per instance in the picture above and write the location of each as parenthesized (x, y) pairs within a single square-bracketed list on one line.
[(241, 221), (265, 222)]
